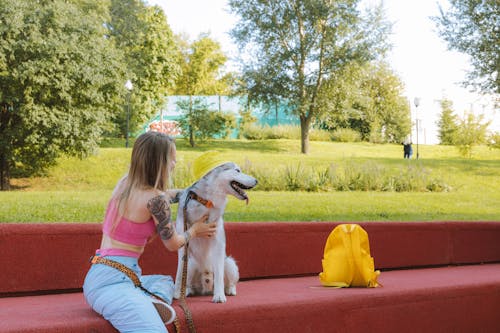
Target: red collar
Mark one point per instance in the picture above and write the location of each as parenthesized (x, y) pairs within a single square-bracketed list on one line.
[(204, 202)]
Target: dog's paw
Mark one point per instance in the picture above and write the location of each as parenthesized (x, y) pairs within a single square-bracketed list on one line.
[(231, 291), (219, 299)]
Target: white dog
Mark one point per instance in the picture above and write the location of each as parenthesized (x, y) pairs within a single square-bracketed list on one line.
[(209, 268)]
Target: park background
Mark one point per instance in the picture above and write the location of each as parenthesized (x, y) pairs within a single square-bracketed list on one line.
[(356, 180)]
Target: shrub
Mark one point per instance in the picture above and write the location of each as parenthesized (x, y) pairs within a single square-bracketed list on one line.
[(319, 135), (494, 140), (291, 132), (348, 176), (346, 135)]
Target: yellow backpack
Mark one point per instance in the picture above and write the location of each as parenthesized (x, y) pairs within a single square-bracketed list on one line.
[(346, 260)]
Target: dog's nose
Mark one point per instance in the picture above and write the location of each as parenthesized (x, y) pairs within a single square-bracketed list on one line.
[(207, 280)]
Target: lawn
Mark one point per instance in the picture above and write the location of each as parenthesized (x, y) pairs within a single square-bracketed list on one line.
[(77, 190)]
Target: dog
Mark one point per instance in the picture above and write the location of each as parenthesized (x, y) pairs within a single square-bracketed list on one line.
[(210, 270)]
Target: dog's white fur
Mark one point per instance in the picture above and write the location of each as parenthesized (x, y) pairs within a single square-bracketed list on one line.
[(209, 269)]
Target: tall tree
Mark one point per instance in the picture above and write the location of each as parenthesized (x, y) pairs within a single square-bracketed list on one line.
[(471, 132), (145, 38), (60, 82), (368, 99), (294, 46), (201, 64), (447, 123), (473, 27)]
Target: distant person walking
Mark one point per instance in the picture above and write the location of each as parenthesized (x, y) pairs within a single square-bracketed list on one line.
[(408, 150)]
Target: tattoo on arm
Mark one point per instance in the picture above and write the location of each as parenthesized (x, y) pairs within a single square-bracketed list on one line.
[(159, 208)]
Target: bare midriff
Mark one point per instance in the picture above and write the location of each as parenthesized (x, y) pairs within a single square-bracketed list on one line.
[(108, 242)]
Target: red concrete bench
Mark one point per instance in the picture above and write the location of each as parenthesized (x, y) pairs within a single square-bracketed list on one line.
[(436, 277)]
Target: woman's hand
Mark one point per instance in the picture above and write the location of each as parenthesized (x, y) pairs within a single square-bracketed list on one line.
[(202, 229)]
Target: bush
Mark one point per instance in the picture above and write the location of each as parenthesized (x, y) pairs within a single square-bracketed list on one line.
[(348, 176), (346, 135), (291, 132), (319, 135), (494, 140)]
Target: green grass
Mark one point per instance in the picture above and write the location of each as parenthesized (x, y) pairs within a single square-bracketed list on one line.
[(77, 190)]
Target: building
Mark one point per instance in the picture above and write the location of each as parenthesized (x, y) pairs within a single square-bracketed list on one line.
[(167, 119)]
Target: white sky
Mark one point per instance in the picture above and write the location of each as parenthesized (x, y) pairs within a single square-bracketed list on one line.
[(420, 58)]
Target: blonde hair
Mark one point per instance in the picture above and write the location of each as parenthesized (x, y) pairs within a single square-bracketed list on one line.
[(149, 167)]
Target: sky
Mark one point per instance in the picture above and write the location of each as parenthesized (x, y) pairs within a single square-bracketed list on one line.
[(419, 57)]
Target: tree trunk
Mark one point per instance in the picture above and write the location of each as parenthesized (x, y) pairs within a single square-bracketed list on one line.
[(191, 136), (4, 164), (4, 173), (304, 134)]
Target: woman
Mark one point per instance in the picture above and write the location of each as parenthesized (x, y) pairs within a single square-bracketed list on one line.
[(139, 208)]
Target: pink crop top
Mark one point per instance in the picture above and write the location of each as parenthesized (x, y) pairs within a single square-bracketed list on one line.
[(126, 231)]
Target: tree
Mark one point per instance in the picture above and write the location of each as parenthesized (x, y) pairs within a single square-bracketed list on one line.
[(198, 121), (367, 99), (60, 82), (143, 35), (201, 63), (447, 123), (293, 47), (471, 131), (471, 27)]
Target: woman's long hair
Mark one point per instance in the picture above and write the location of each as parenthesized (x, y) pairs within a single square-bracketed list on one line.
[(149, 168)]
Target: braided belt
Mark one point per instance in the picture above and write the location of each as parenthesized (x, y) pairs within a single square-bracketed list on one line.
[(127, 271), (135, 279)]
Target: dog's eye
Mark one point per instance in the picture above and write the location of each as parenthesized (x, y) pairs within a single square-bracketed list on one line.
[(238, 170)]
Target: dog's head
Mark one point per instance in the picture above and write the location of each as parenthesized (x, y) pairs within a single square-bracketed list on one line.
[(229, 179)]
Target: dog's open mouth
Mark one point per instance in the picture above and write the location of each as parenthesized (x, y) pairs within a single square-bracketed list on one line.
[(239, 188)]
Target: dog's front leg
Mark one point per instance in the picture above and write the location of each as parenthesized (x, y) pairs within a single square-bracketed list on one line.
[(220, 255)]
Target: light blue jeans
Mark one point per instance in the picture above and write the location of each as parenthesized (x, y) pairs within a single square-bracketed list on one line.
[(112, 294)]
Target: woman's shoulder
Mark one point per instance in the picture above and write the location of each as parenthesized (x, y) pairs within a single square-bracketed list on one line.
[(150, 194)]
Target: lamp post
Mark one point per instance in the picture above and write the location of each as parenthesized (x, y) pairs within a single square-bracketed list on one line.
[(128, 86), (417, 103)]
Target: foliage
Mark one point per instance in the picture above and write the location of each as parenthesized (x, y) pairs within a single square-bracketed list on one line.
[(53, 97), (259, 132), (201, 63), (246, 119), (293, 47), (471, 132), (199, 122), (447, 123), (368, 99), (77, 190), (346, 135), (347, 176), (494, 140), (141, 32), (471, 27)]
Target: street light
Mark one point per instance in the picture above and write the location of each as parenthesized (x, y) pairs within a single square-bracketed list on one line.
[(128, 86), (417, 103)]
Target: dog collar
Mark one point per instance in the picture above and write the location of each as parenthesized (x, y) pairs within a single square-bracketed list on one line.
[(204, 202)]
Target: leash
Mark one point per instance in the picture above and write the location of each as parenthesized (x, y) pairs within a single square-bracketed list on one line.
[(182, 301)]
